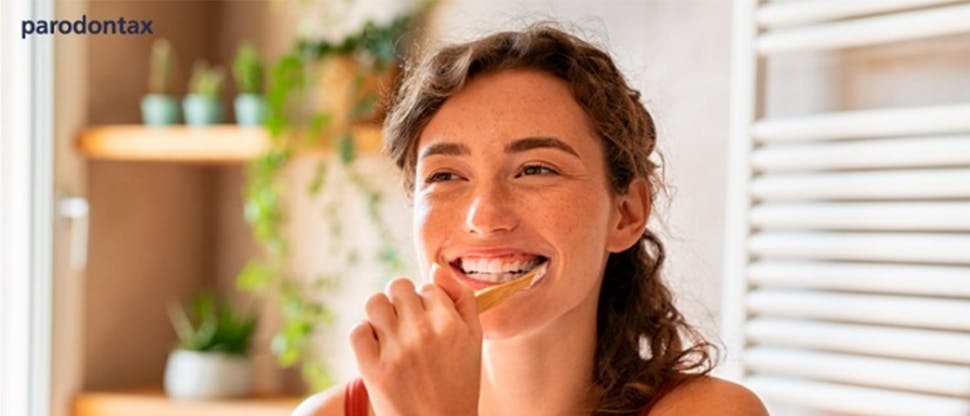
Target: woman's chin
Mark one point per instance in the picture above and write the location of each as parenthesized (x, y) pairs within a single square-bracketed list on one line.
[(517, 316), (498, 327)]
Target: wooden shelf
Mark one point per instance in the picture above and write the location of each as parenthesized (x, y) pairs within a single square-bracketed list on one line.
[(214, 144), (153, 402)]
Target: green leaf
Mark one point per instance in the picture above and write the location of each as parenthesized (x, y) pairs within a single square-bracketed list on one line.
[(215, 325), (287, 77), (255, 276), (248, 70), (316, 182), (317, 374), (275, 123), (364, 106), (286, 354), (182, 325), (347, 148), (327, 282), (295, 330), (373, 204), (206, 80), (318, 123), (160, 67)]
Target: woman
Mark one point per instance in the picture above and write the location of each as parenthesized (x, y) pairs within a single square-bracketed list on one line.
[(520, 149)]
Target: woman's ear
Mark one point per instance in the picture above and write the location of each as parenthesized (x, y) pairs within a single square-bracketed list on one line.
[(630, 216)]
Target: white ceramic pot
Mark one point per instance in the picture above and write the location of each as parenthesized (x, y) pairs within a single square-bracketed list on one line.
[(194, 375)]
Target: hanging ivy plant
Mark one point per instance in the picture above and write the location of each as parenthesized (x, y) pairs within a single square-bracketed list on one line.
[(294, 124)]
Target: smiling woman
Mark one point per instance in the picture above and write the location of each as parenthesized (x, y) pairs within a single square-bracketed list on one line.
[(521, 149)]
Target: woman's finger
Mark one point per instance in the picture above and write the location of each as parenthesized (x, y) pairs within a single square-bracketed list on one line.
[(406, 301), (437, 302), (382, 316), (364, 342), (461, 295)]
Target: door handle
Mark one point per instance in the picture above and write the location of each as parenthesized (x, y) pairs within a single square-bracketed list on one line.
[(75, 210)]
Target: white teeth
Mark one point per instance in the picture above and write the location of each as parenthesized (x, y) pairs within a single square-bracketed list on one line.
[(494, 266), (496, 270)]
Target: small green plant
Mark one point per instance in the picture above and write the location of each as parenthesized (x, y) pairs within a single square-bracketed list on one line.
[(206, 81), (248, 70), (214, 325), (161, 63)]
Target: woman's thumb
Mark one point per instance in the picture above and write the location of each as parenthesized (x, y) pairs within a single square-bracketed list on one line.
[(462, 295)]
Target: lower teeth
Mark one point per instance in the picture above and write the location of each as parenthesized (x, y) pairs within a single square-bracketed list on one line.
[(495, 278)]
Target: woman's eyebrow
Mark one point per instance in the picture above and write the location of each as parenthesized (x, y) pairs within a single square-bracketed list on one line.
[(529, 143), (445, 148)]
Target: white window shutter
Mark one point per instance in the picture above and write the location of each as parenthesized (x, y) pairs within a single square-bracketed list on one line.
[(847, 268)]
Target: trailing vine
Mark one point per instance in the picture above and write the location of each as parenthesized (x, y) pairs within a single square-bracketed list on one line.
[(293, 124)]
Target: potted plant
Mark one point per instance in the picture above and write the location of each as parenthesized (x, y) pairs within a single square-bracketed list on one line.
[(201, 105), (211, 358), (159, 107), (250, 106)]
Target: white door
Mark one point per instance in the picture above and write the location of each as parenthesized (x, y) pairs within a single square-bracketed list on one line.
[(25, 217)]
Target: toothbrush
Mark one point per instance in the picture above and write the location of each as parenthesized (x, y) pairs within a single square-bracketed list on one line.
[(491, 297)]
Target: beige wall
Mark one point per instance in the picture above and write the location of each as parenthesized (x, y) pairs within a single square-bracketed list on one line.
[(150, 246)]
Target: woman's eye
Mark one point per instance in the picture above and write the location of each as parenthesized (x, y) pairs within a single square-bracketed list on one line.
[(529, 170), (440, 177)]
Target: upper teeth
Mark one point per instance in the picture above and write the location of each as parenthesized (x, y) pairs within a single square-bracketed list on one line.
[(497, 266)]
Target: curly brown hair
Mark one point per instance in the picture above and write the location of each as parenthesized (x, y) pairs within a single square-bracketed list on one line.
[(635, 306)]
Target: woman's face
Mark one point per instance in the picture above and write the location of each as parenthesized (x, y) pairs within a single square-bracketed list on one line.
[(508, 174)]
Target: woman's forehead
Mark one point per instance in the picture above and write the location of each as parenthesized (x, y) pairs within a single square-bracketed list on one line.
[(498, 108)]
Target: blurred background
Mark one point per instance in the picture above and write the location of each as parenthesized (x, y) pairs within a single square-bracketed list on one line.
[(192, 218)]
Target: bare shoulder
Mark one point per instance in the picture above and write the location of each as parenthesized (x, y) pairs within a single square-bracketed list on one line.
[(329, 402), (710, 396)]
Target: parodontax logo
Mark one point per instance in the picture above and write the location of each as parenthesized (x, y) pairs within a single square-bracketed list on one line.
[(85, 26)]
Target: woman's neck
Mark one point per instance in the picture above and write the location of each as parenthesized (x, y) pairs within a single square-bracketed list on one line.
[(546, 372)]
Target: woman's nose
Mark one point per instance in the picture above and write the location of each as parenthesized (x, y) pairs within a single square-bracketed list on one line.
[(491, 211)]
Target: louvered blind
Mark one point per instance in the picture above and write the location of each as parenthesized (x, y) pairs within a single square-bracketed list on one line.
[(848, 244)]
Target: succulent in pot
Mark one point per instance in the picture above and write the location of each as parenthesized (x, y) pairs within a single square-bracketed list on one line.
[(159, 107), (249, 105), (202, 106), (211, 360)]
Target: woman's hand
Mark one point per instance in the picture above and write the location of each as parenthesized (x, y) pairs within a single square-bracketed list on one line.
[(419, 352)]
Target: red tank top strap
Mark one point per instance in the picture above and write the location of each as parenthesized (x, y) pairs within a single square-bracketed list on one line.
[(355, 398)]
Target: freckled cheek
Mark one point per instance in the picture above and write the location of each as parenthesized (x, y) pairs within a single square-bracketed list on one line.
[(567, 210), (431, 224), (580, 223)]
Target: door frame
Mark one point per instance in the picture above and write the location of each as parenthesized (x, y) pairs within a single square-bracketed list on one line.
[(26, 216)]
